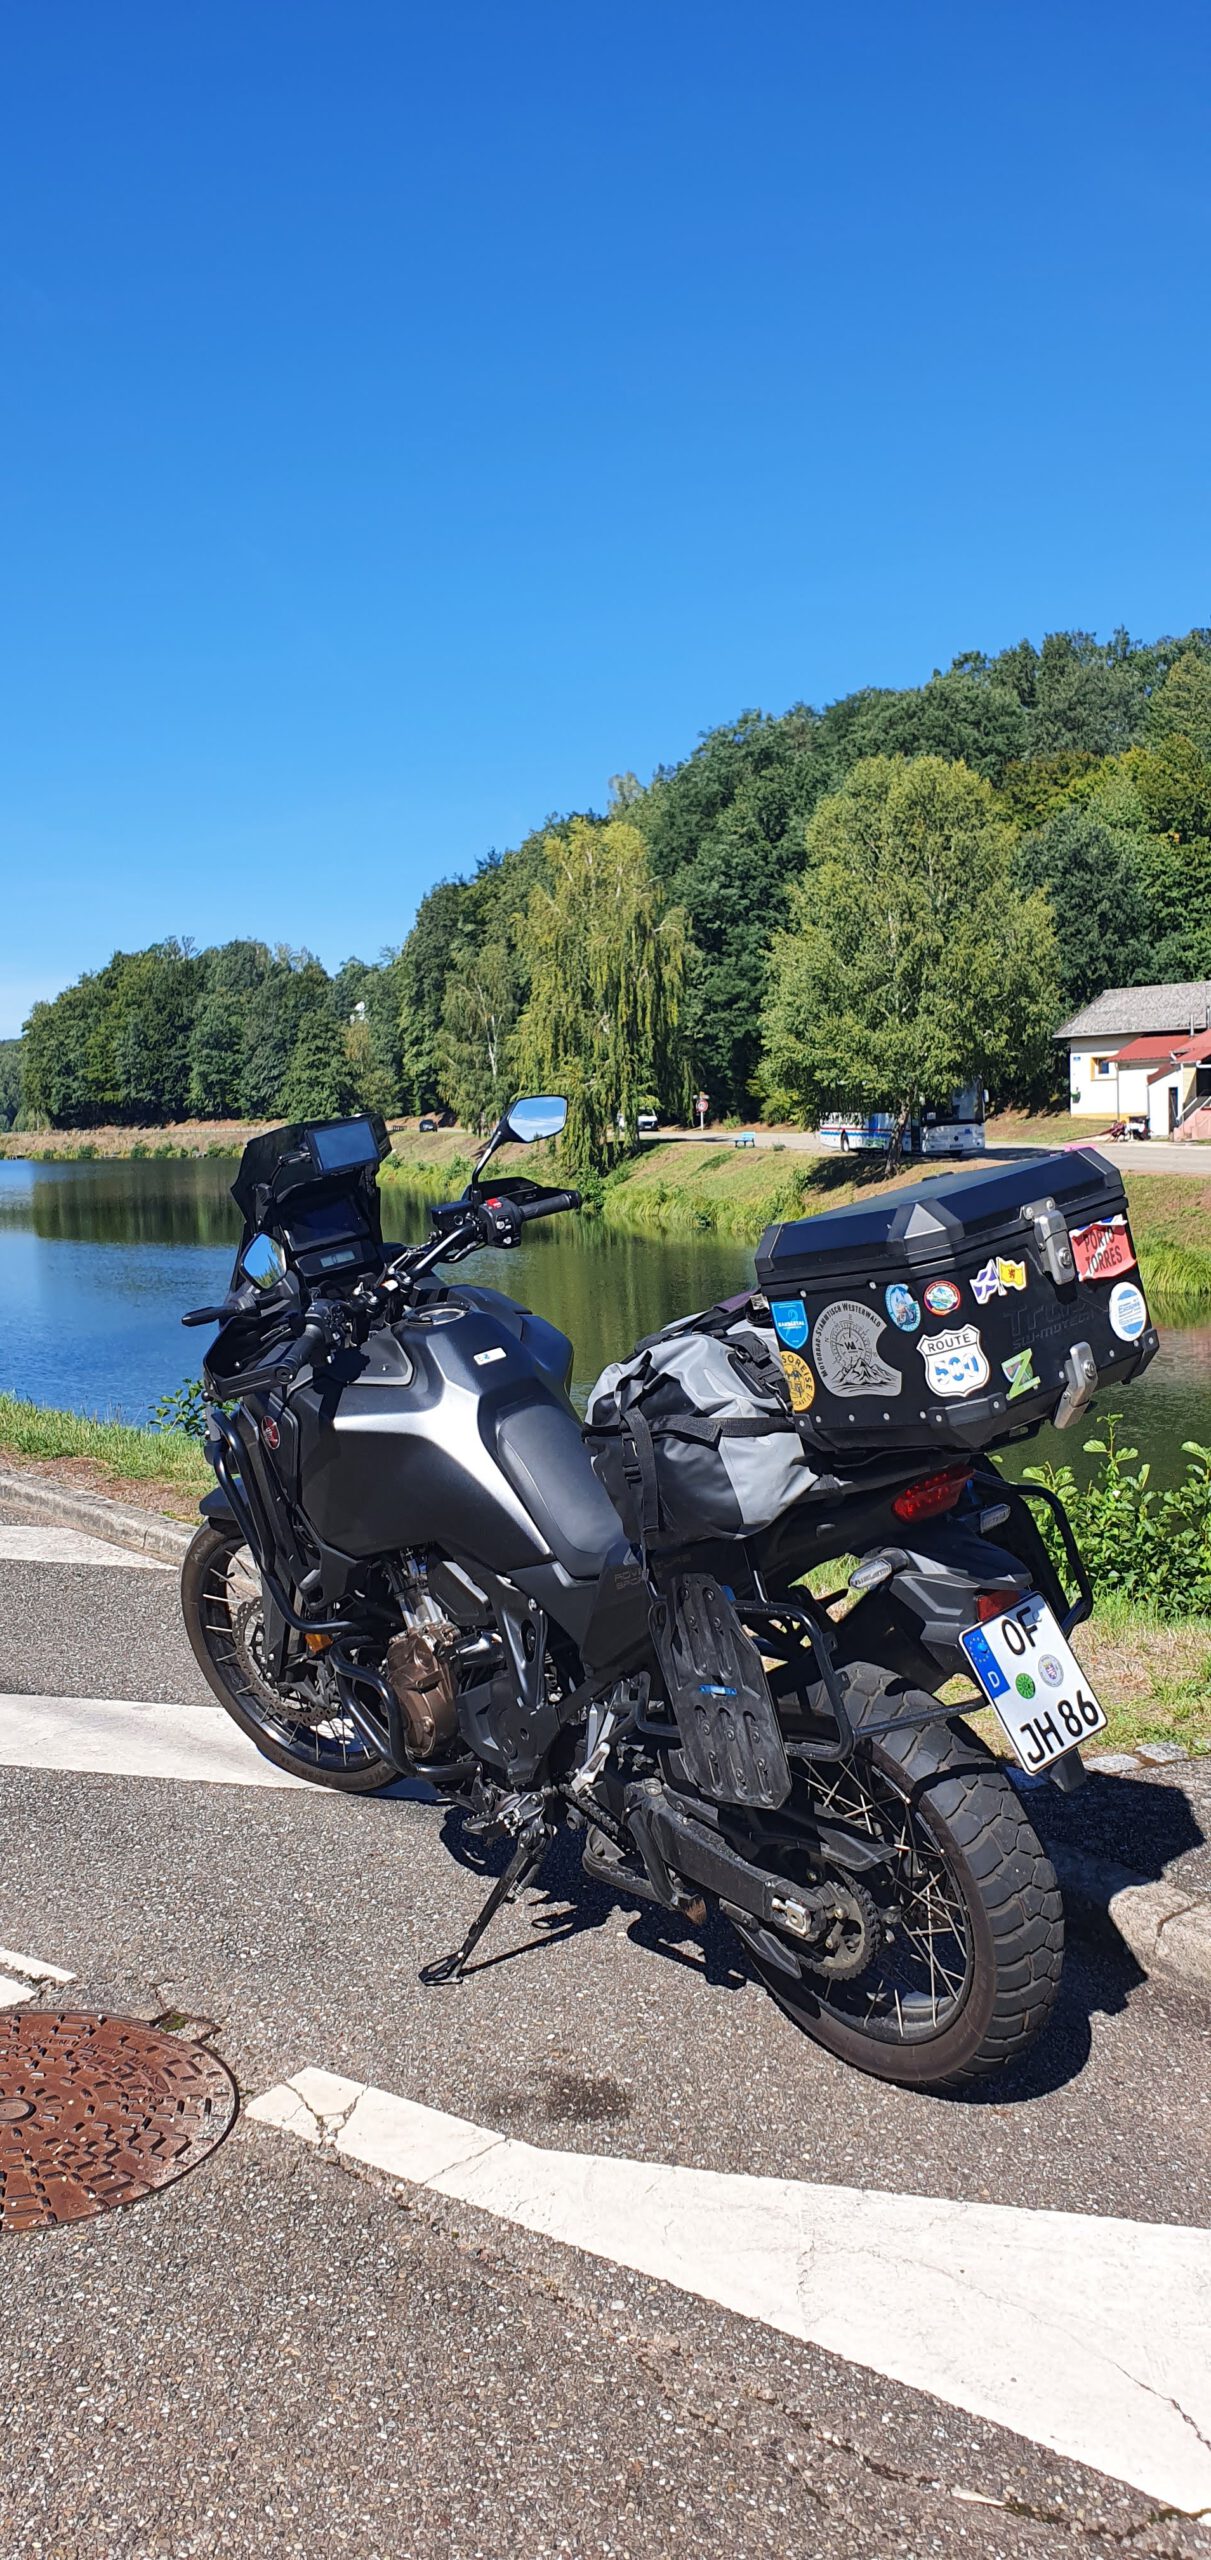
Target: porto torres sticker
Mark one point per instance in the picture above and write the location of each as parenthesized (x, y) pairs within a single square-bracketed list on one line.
[(790, 1321), (800, 1380), (942, 1298), (954, 1361), (1128, 1311), (845, 1346), (902, 1307), (1101, 1251)]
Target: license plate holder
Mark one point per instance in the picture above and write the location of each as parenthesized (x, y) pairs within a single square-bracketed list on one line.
[(1030, 1675)]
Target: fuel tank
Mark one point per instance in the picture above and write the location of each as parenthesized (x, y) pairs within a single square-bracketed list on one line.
[(453, 1428)]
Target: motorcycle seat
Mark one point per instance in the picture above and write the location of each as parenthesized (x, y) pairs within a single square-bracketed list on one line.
[(540, 1449)]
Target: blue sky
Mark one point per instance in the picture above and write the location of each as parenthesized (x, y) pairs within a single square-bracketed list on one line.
[(412, 416)]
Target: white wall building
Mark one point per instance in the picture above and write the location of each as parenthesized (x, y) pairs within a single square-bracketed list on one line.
[(1144, 1052)]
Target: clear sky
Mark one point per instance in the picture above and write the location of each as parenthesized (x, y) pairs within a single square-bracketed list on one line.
[(411, 415)]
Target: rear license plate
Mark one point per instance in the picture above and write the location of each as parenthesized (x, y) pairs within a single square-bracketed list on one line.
[(1030, 1674)]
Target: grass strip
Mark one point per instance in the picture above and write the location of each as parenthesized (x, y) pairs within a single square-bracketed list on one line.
[(116, 1450)]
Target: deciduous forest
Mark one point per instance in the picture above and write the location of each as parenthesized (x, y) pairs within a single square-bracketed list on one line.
[(812, 909)]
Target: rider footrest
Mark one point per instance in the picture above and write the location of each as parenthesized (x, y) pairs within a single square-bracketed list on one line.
[(731, 1741)]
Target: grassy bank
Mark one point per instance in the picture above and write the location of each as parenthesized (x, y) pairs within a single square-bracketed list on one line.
[(163, 1470), (738, 1191), (181, 1138)]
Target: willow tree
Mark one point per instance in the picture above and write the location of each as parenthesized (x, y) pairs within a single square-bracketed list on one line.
[(608, 961), (912, 964)]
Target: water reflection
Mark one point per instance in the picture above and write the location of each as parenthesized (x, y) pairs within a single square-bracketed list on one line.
[(98, 1261)]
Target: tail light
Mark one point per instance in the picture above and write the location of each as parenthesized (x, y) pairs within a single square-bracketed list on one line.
[(932, 1494), (993, 1604)]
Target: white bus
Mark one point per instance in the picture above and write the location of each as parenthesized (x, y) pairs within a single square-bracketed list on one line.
[(952, 1128)]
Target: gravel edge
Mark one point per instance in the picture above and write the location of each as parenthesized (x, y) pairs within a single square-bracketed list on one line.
[(1166, 1930)]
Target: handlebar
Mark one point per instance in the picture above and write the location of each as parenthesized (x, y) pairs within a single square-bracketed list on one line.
[(551, 1208)]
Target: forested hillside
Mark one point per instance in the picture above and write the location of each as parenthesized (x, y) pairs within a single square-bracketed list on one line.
[(1090, 782)]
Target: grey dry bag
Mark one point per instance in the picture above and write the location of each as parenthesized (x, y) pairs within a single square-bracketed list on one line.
[(693, 1436)]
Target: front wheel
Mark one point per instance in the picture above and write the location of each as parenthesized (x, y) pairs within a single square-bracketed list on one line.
[(968, 1934), (304, 1728)]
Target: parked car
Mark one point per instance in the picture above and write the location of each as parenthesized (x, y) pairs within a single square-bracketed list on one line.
[(647, 1122), (427, 1125)]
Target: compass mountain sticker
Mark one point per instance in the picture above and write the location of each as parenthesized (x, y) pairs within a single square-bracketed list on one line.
[(846, 1351)]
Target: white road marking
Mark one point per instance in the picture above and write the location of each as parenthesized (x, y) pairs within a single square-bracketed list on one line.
[(129, 1738), (1084, 2333), (35, 1968), (20, 1544), (13, 1993)]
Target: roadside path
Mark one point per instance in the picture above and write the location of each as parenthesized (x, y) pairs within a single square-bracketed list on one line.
[(1154, 1155), (356, 2350)]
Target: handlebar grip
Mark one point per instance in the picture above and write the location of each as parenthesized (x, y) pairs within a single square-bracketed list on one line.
[(203, 1315), (550, 1208)]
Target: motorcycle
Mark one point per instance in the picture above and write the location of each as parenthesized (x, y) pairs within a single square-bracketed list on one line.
[(408, 1566)]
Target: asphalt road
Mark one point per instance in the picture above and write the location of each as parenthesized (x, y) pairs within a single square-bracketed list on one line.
[(291, 2355), (1152, 1155)]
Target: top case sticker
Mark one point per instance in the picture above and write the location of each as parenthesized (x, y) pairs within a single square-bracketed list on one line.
[(1101, 1251), (902, 1307), (801, 1385), (954, 1361), (845, 1347), (996, 1279), (790, 1321), (941, 1297), (1128, 1311)]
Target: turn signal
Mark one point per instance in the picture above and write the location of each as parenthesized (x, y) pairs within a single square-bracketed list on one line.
[(932, 1494)]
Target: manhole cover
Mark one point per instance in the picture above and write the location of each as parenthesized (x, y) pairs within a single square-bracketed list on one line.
[(96, 2112)]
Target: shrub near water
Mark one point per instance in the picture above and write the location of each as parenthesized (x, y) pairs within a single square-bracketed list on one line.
[(1146, 1544)]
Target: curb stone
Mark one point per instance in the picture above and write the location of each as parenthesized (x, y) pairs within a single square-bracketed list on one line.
[(151, 1532), (1168, 1931)]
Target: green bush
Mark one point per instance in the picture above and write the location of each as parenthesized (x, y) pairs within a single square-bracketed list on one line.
[(1150, 1544), (183, 1408)]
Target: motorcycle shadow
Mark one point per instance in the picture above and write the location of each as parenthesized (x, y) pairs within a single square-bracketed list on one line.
[(562, 1903), (571, 1903)]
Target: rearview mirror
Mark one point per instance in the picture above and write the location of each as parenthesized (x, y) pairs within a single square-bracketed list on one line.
[(538, 1115), (263, 1262)]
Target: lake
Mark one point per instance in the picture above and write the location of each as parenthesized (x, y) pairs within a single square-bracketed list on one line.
[(99, 1261)]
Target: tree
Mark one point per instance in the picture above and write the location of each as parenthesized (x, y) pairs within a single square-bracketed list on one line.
[(724, 832), (423, 968), (608, 960), (293, 986), (961, 716), (156, 994), (911, 965), (10, 1083), (318, 1084), (1094, 878), (232, 973), (1182, 704), (474, 1045)]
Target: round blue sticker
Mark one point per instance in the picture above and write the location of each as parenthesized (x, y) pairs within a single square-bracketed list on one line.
[(902, 1307), (790, 1322), (1128, 1311)]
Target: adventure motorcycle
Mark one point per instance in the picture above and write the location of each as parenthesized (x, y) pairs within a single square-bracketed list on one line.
[(409, 1565)]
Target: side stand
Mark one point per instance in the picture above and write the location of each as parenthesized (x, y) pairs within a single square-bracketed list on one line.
[(528, 1855)]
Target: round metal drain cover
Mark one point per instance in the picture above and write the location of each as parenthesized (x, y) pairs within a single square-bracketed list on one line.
[(96, 2112)]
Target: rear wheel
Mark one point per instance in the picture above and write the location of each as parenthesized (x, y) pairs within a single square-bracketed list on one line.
[(969, 1947), (304, 1728)]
